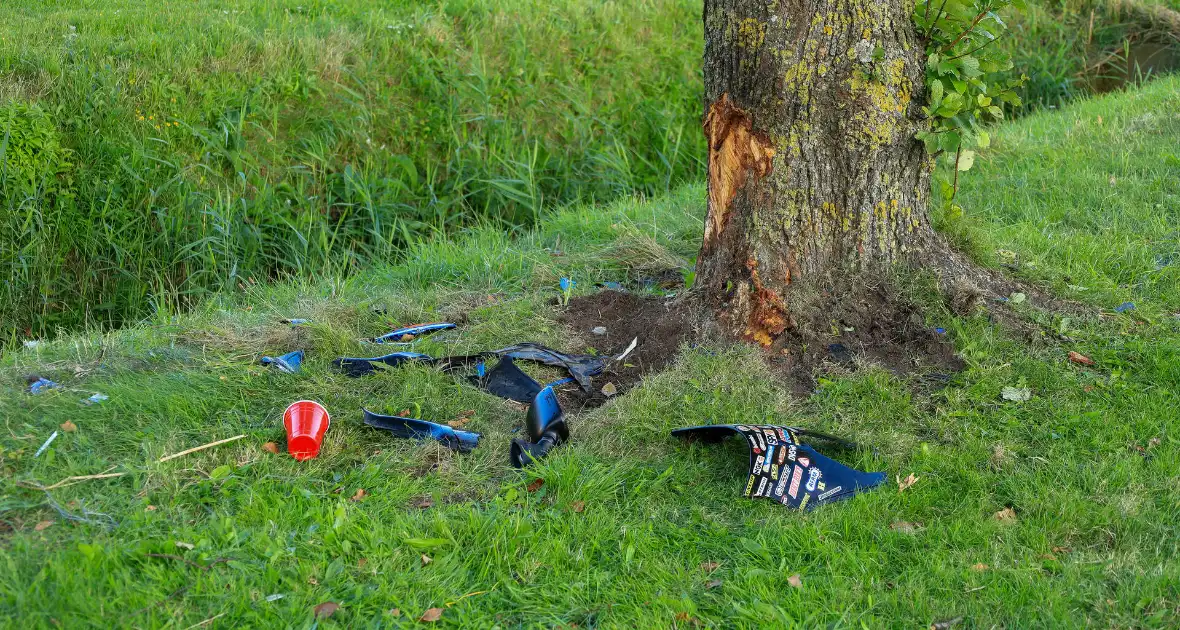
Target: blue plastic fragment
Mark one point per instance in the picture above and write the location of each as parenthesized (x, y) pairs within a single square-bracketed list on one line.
[(1124, 307), (567, 284), (416, 330), (941, 331), (289, 363), (97, 398), (613, 286), (42, 384), (481, 369), (296, 322)]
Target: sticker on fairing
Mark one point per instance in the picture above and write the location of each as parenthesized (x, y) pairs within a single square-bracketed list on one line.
[(813, 476), (767, 460), (796, 477), (830, 493), (762, 487)]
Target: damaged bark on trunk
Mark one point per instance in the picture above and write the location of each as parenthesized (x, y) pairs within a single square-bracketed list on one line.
[(814, 172)]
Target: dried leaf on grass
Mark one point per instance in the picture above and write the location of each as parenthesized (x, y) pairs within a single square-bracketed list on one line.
[(910, 480), (1006, 515), (709, 567), (432, 615), (426, 560), (42, 526), (795, 581), (326, 609), (979, 566), (1080, 359), (535, 485), (578, 506), (69, 427), (271, 447), (360, 494)]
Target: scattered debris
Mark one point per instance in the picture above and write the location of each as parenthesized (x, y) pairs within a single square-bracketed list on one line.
[(96, 398), (979, 566), (946, 624), (599, 330), (39, 384), (295, 322), (712, 584), (401, 426), (69, 427), (546, 428), (43, 525), (275, 597), (426, 560), (813, 479), (44, 446), (910, 480), (409, 333), (87, 516), (567, 288), (535, 485), (1016, 394), (271, 447), (359, 366), (200, 448), (1080, 358), (795, 581), (609, 390), (359, 495), (289, 363), (32, 343), (1124, 307), (506, 380), (306, 422)]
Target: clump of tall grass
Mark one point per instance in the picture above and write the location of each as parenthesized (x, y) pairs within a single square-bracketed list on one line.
[(215, 148)]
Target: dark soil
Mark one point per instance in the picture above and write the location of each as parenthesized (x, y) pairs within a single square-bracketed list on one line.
[(862, 325), (840, 332), (659, 325)]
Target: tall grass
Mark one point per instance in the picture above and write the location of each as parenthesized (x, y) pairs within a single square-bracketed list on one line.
[(215, 144)]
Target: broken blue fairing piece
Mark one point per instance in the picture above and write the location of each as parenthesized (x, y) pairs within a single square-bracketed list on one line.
[(1124, 307), (289, 363), (461, 441), (783, 470), (359, 366), (42, 384), (412, 332)]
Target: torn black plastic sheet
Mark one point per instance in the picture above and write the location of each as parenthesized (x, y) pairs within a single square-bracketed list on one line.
[(506, 380), (407, 334), (786, 471), (361, 366)]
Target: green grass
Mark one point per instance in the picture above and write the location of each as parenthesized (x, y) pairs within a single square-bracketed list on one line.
[(1094, 542), (214, 142), (183, 148)]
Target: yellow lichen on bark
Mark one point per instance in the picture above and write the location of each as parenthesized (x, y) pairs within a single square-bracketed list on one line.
[(735, 149)]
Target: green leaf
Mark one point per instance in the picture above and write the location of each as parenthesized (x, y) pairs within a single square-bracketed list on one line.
[(221, 472), (935, 93), (970, 66), (426, 543), (983, 140), (966, 159)]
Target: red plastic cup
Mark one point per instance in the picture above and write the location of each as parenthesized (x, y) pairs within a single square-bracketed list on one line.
[(306, 422)]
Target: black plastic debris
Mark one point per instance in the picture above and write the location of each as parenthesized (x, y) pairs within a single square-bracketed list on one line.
[(506, 380), (409, 333), (358, 366), (546, 427), (783, 470), (840, 353), (462, 441), (290, 363), (583, 367)]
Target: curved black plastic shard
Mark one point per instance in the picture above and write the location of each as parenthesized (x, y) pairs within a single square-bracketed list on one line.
[(358, 366), (506, 380), (417, 330), (462, 441), (583, 367), (783, 470)]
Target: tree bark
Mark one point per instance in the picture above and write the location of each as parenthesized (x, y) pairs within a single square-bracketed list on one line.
[(814, 172)]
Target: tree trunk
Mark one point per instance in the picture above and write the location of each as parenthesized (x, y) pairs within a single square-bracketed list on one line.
[(814, 173)]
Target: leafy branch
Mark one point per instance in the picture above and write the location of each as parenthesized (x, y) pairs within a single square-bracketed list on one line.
[(967, 79)]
